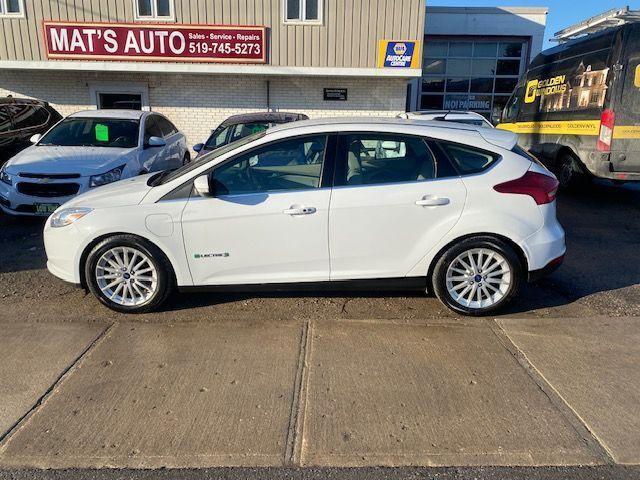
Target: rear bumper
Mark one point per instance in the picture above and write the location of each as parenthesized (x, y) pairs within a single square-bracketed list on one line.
[(552, 266)]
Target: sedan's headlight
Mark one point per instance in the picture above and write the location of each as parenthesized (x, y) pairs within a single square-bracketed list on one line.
[(67, 216), (4, 177), (108, 177)]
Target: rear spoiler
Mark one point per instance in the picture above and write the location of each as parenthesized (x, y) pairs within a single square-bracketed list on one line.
[(499, 138)]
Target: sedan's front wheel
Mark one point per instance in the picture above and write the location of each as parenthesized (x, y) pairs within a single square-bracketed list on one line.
[(477, 276), (128, 274)]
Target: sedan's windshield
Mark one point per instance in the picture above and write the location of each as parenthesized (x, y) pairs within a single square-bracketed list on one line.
[(170, 175), (93, 132)]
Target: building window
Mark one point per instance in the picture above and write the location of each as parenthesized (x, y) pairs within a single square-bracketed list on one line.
[(302, 11), (475, 74), (11, 8), (153, 9)]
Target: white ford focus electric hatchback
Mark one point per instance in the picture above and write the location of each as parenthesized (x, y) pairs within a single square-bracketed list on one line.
[(86, 150), (454, 209)]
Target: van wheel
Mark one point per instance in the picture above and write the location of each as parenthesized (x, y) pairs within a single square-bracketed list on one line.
[(477, 276), (128, 274), (569, 173)]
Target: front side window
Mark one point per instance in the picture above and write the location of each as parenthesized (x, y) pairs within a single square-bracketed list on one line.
[(30, 116), (151, 128), (166, 126), (5, 119), (385, 158), (153, 9), (294, 164), (302, 11), (93, 132), (11, 8)]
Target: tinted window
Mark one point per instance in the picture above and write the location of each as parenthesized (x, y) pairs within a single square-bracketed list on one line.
[(468, 160), (93, 132), (383, 158), (166, 126), (29, 116), (152, 128), (286, 165), (5, 119)]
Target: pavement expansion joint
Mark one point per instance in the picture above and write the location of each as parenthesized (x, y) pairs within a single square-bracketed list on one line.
[(575, 420), (5, 438)]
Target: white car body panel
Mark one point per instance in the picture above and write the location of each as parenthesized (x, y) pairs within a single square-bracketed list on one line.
[(84, 162), (357, 232)]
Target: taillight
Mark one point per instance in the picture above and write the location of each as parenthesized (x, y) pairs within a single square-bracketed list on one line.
[(607, 122), (542, 188)]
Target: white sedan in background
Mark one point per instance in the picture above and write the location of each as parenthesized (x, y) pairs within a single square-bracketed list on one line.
[(85, 150), (454, 209)]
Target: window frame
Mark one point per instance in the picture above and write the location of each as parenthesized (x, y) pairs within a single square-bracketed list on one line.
[(302, 20), (342, 153), (154, 12), (5, 14)]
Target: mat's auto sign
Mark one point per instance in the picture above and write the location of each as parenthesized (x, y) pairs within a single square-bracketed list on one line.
[(182, 43)]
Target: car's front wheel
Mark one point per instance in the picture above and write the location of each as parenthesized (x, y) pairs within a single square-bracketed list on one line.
[(128, 274), (477, 276)]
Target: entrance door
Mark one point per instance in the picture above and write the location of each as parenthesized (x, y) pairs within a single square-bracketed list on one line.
[(267, 219), (393, 207), (125, 101)]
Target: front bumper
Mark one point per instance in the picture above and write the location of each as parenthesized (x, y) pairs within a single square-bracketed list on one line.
[(63, 247), (15, 203)]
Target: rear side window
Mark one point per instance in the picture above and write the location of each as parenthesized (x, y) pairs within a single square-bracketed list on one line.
[(378, 158), (29, 116), (469, 160)]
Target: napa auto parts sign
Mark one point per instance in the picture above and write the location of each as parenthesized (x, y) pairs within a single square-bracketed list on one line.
[(152, 42)]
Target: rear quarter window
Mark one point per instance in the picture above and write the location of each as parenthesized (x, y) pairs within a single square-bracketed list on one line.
[(468, 160)]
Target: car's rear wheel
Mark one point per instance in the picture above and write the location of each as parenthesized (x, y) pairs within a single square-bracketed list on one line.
[(128, 274), (477, 276)]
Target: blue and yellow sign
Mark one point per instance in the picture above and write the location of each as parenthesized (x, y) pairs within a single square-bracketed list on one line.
[(398, 54)]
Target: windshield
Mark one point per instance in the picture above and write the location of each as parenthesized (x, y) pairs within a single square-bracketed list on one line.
[(93, 132), (170, 175), (225, 135)]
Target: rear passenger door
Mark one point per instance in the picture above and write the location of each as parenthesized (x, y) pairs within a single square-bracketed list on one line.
[(174, 151), (394, 198)]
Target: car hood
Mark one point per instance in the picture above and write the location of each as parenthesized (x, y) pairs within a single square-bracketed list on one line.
[(126, 192), (85, 161)]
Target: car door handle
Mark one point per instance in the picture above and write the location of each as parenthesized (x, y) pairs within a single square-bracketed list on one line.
[(432, 201), (294, 210)]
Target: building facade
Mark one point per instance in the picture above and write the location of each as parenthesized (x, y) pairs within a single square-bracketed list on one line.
[(473, 57), (200, 61)]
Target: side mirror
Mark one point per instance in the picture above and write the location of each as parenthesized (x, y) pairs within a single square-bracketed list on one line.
[(201, 184), (35, 138), (198, 147), (156, 142)]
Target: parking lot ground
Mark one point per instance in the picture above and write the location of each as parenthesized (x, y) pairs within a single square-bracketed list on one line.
[(33, 357), (594, 364), (175, 396)]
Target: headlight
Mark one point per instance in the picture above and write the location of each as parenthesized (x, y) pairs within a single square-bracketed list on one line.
[(4, 177), (67, 216), (108, 177)]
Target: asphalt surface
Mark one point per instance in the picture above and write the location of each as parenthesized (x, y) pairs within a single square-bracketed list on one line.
[(599, 277), (597, 291)]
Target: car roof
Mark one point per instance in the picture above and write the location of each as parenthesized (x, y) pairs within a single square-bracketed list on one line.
[(12, 100), (500, 138), (274, 117), (446, 112), (115, 113)]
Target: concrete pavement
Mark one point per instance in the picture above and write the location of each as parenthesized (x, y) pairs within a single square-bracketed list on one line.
[(329, 393)]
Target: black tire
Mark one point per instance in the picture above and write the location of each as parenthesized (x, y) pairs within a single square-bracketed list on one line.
[(569, 173), (165, 277), (439, 279)]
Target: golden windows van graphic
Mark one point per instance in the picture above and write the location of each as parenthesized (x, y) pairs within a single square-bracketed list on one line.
[(585, 89)]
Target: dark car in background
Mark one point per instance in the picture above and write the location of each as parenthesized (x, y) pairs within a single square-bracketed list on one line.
[(20, 119), (240, 126)]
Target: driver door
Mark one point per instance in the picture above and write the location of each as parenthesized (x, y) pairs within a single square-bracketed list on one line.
[(266, 219)]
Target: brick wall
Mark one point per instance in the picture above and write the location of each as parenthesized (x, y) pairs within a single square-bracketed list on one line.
[(198, 103)]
